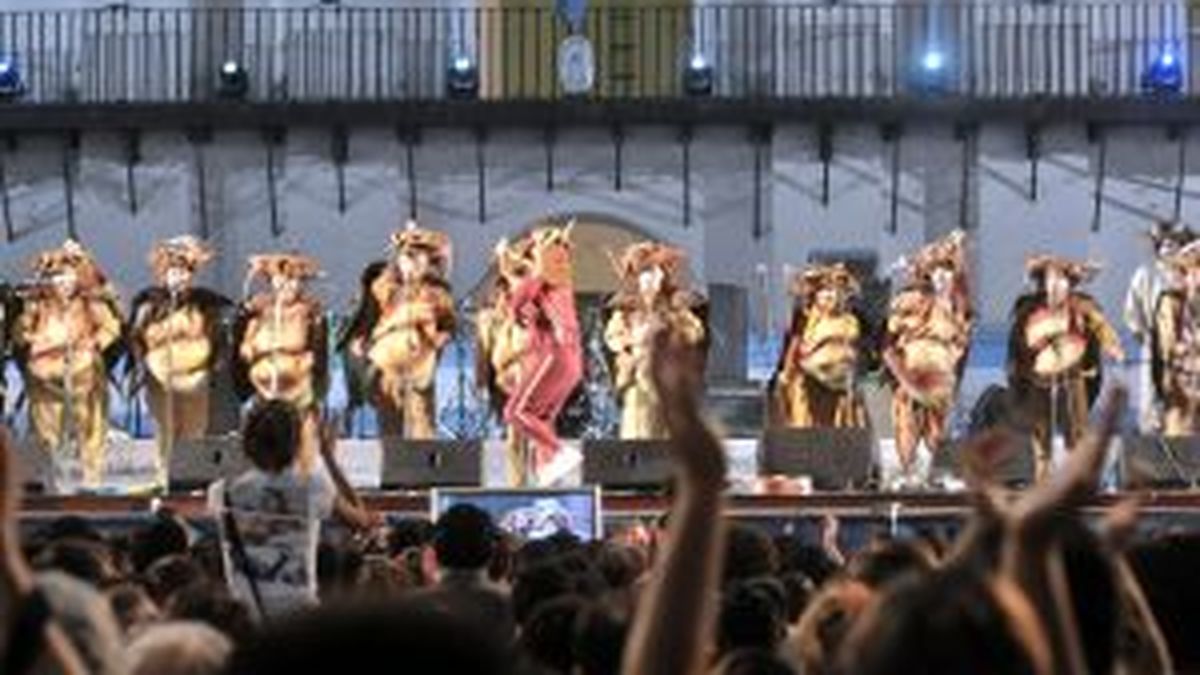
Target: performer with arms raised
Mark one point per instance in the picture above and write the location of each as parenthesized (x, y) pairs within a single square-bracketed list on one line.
[(1055, 352), (405, 317), (176, 343), (543, 303), (68, 335)]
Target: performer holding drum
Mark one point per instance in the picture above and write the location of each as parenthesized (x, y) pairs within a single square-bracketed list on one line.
[(1176, 345), (404, 318), (176, 344), (67, 337), (928, 334), (500, 343), (815, 382), (652, 298), (281, 337), (1055, 349)]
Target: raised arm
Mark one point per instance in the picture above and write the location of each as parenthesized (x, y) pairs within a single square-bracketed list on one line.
[(55, 653), (674, 623)]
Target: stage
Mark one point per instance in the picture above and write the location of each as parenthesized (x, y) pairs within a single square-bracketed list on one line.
[(863, 515)]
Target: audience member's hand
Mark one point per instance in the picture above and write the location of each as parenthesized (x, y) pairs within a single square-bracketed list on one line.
[(678, 373), (1075, 482), (10, 501)]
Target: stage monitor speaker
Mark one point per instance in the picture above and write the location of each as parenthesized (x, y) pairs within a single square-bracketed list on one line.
[(1015, 471), (197, 463), (835, 459), (629, 464), (1156, 461), (413, 464)]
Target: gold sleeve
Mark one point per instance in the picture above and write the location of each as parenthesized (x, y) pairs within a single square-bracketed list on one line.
[(1166, 328), (1110, 342), (617, 336), (688, 326), (107, 322)]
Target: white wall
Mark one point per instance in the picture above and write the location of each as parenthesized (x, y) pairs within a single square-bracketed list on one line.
[(1140, 186)]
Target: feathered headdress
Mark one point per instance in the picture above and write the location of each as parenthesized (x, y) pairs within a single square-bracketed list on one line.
[(184, 251), (413, 238), (1078, 273), (808, 281)]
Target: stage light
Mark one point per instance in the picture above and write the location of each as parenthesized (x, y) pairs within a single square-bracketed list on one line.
[(232, 80), (933, 60), (11, 84), (932, 74), (462, 79), (1164, 75), (698, 76)]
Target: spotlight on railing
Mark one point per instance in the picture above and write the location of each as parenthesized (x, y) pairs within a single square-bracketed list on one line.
[(698, 76), (233, 81), (933, 72), (1163, 75), (462, 78), (11, 84)]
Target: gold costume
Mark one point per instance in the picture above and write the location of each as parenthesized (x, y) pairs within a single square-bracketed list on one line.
[(815, 381), (651, 299), (281, 339), (175, 340), (404, 319), (501, 342), (928, 332), (68, 333), (1176, 346), (1054, 354)]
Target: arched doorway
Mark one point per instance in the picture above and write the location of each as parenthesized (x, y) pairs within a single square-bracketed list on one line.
[(598, 238)]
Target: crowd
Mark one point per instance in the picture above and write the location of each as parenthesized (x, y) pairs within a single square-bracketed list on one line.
[(1028, 587)]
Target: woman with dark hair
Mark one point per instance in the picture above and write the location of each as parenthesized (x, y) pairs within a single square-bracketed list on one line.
[(271, 515)]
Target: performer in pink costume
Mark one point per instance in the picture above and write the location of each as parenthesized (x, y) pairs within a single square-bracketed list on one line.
[(543, 303)]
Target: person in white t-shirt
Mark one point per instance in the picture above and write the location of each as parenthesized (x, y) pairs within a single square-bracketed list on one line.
[(270, 516)]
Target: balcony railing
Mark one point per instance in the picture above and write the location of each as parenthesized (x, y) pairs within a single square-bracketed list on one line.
[(985, 49)]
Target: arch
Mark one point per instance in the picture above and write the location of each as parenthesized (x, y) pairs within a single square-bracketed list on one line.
[(597, 236)]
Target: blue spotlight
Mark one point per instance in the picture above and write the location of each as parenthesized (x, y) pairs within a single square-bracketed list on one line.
[(462, 78), (698, 76), (1163, 75), (233, 82), (931, 74), (933, 61), (11, 84)]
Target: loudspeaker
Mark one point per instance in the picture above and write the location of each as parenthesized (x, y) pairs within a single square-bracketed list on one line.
[(1015, 470), (834, 458), (638, 464), (409, 464), (728, 318), (197, 463), (1156, 461)]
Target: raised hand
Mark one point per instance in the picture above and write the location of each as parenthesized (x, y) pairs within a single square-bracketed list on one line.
[(677, 369)]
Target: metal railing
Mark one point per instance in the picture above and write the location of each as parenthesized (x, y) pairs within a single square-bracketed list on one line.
[(984, 49)]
